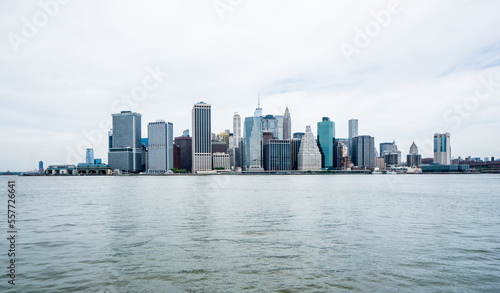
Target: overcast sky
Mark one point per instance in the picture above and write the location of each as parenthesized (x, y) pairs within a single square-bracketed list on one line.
[(405, 69)]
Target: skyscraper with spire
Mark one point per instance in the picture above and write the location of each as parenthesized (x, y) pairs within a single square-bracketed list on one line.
[(253, 140), (287, 125)]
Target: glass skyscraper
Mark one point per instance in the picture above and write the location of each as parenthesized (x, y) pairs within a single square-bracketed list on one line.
[(202, 137), (353, 132), (363, 151), (125, 146), (160, 147), (326, 135), (442, 148)]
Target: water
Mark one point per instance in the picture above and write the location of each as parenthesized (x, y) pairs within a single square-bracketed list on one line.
[(323, 233)]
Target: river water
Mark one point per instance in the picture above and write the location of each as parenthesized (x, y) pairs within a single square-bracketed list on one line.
[(256, 233)]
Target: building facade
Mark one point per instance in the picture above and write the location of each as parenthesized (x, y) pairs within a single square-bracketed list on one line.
[(309, 156), (160, 147), (89, 156), (236, 129), (287, 125), (253, 143), (202, 137), (277, 155), (326, 135), (353, 132), (221, 161), (185, 156), (125, 153), (442, 148), (413, 159), (363, 151)]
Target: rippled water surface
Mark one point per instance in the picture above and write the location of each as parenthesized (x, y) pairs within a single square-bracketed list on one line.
[(322, 233)]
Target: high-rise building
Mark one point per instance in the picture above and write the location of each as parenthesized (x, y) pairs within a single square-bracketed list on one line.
[(326, 134), (185, 133), (287, 125), (202, 137), (236, 129), (309, 157), (185, 156), (280, 119), (277, 155), (414, 159), (253, 143), (353, 132), (363, 151), (294, 153), (160, 146), (89, 156), (270, 124), (340, 148), (442, 148), (40, 167), (125, 147), (389, 151)]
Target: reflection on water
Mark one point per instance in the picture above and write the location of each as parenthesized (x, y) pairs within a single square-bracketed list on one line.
[(258, 233)]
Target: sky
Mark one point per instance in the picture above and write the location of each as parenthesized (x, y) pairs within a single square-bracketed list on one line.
[(405, 69)]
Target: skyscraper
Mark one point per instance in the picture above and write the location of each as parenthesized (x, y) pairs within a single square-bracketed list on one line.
[(363, 151), (277, 155), (125, 148), (253, 140), (389, 151), (202, 133), (89, 156), (442, 148), (309, 157), (236, 129), (270, 124), (160, 146), (253, 143), (353, 132), (326, 134), (280, 119), (413, 159), (287, 125), (185, 149)]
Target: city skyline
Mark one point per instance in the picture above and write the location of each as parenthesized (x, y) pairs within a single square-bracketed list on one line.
[(413, 78)]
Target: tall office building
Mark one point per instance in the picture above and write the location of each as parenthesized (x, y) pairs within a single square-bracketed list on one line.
[(280, 119), (287, 125), (253, 140), (414, 159), (125, 146), (363, 151), (185, 153), (389, 151), (202, 134), (89, 156), (253, 143), (442, 148), (270, 124), (353, 132), (309, 156), (294, 153), (185, 133), (236, 129), (277, 155), (326, 135), (160, 147)]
